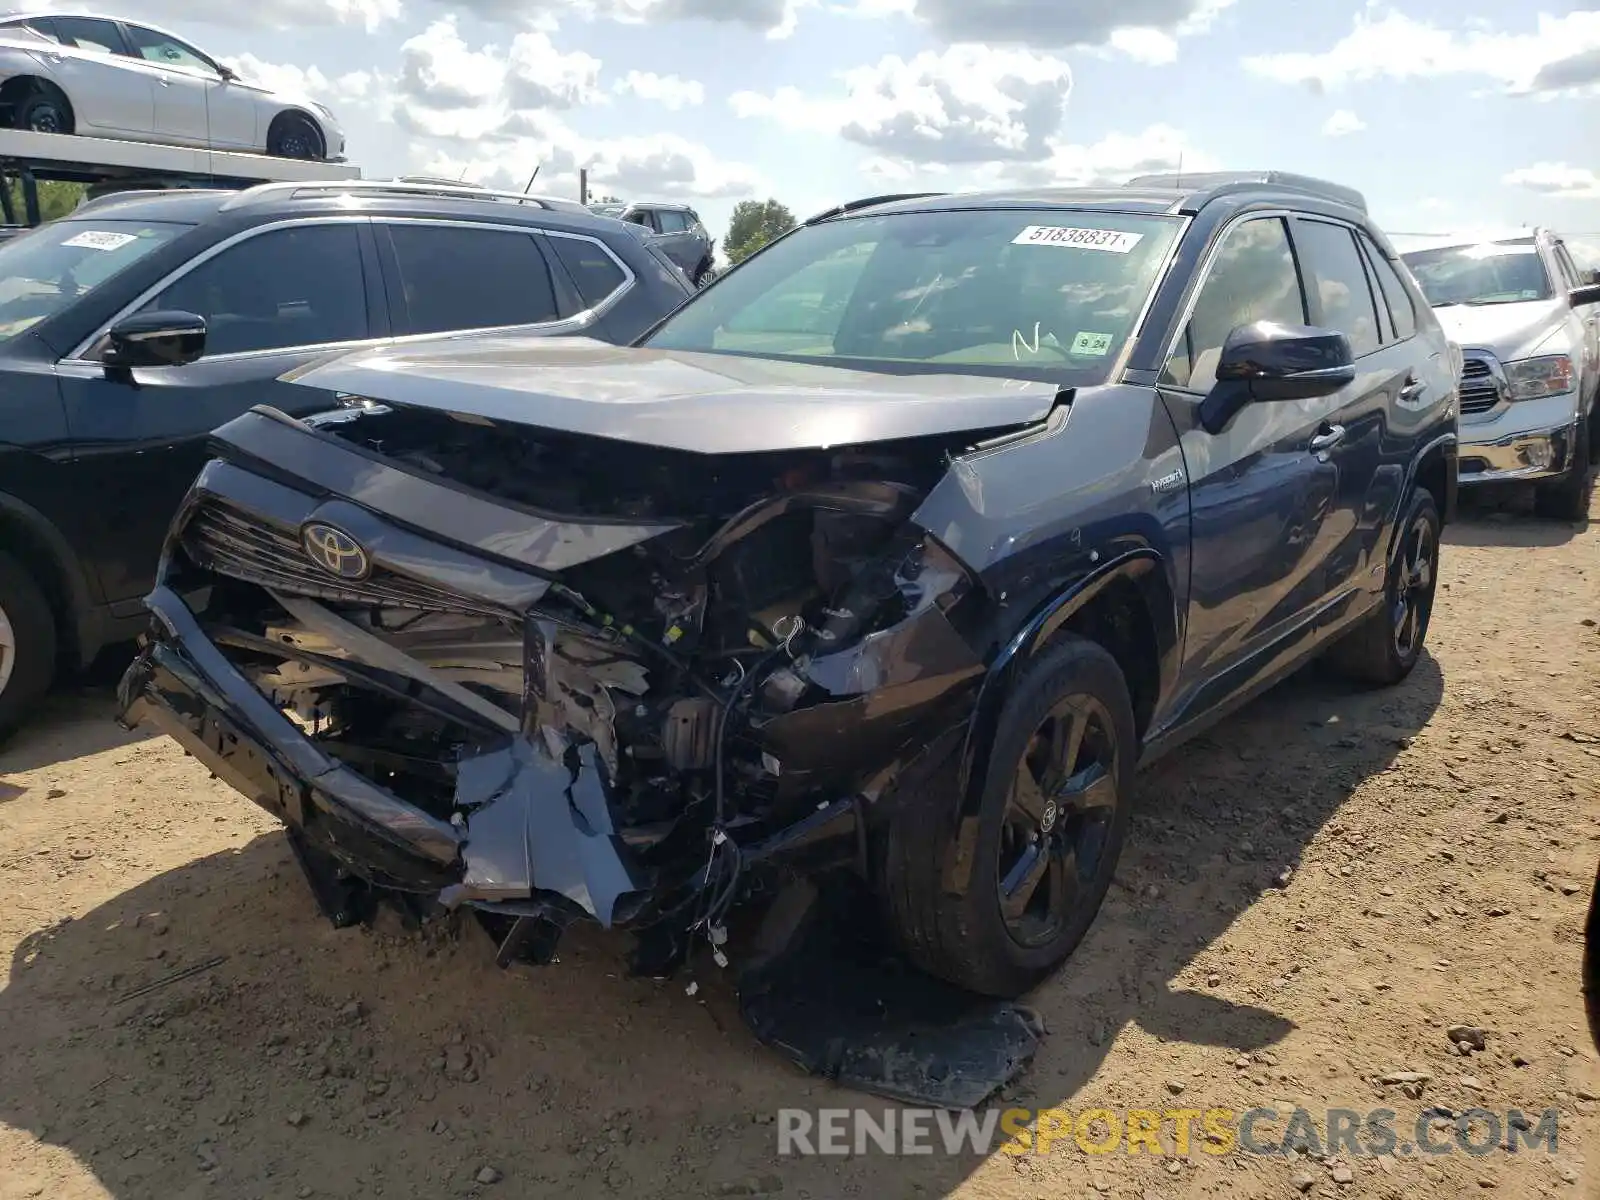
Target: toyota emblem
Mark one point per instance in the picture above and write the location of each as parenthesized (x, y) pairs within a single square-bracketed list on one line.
[(335, 551)]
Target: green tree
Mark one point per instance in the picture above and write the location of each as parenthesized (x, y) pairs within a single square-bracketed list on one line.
[(754, 224), (57, 198)]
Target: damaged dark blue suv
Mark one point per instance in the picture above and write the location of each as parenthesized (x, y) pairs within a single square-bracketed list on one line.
[(890, 555)]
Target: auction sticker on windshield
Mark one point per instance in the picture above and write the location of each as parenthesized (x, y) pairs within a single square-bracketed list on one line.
[(100, 239), (1111, 240), (1095, 344)]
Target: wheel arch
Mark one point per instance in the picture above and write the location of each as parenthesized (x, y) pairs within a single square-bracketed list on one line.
[(17, 88), (1127, 607), (29, 537), (296, 111)]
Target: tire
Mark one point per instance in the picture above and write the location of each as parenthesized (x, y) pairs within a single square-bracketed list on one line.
[(27, 643), (965, 937), (45, 110), (292, 135), (702, 274), (1567, 498), (1386, 645)]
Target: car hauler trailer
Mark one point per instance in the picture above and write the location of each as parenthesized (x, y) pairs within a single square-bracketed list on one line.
[(106, 165)]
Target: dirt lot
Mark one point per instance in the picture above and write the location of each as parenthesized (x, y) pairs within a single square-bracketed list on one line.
[(1441, 840)]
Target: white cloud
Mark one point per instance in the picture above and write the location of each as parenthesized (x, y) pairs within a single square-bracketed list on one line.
[(1557, 179), (1114, 159), (1396, 46), (669, 91), (967, 104), (1145, 45), (304, 81), (644, 167), (494, 114), (447, 89), (775, 18), (1144, 29), (1343, 123)]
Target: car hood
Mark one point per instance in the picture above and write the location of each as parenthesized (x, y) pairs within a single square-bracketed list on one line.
[(1509, 331), (712, 403)]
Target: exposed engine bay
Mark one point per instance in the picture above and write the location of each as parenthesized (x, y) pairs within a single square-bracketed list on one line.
[(643, 715)]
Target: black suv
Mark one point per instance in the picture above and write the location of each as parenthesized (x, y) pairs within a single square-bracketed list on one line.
[(131, 329), (893, 553)]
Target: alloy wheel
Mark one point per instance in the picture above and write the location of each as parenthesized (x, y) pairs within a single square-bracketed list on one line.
[(1057, 819), (8, 649), (1413, 600), (46, 118)]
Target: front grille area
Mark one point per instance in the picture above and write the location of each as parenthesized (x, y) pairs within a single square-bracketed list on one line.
[(233, 543), (1479, 392)]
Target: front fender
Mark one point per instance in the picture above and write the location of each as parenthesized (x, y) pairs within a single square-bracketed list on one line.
[(1146, 570)]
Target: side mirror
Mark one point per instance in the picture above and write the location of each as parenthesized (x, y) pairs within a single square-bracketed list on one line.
[(1588, 294), (229, 75), (1266, 361), (153, 339)]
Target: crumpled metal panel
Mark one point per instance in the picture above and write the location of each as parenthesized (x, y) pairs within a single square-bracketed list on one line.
[(543, 825)]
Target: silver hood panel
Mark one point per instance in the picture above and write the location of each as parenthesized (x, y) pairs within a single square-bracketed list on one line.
[(712, 403), (1508, 331)]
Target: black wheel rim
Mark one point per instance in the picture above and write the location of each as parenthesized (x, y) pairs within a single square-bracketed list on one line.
[(1057, 819), (1413, 594), (294, 145), (45, 118)]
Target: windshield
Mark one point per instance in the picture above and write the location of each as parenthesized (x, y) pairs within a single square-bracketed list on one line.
[(608, 210), (1031, 293), (1507, 272), (46, 270)]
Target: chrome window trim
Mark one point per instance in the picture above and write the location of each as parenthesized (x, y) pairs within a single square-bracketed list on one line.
[(77, 357), (1203, 277)]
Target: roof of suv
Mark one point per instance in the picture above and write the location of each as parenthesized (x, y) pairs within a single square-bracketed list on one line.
[(1172, 194), (195, 206)]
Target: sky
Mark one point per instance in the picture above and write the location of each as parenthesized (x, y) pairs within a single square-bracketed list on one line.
[(1459, 115)]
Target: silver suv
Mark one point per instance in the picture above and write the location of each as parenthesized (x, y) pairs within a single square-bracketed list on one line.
[(1528, 323)]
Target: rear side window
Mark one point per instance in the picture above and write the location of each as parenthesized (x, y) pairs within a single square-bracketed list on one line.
[(672, 221), (1336, 278), (90, 33), (1253, 278), (594, 271), (1402, 314), (457, 277), (282, 288)]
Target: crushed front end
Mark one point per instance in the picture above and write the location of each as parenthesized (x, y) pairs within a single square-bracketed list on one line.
[(550, 677)]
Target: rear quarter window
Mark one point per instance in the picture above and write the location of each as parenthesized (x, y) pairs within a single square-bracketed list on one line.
[(594, 272)]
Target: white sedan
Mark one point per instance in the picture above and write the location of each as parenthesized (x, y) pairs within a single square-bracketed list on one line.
[(102, 77)]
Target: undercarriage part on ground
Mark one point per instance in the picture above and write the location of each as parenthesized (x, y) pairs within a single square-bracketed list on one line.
[(825, 994)]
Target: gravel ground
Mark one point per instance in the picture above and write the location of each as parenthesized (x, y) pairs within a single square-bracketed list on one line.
[(1312, 896)]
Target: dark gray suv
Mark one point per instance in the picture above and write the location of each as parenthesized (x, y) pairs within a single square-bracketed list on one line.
[(676, 229), (891, 555)]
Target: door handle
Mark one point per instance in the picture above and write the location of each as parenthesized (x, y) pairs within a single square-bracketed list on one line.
[(1327, 439), (163, 81)]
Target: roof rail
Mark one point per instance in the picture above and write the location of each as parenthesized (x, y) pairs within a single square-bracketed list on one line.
[(850, 206), (108, 198), (379, 187), (1239, 181)]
